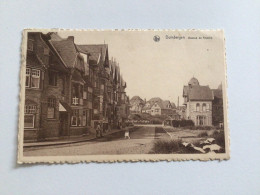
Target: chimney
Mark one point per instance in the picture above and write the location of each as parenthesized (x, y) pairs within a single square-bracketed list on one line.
[(71, 38), (178, 103)]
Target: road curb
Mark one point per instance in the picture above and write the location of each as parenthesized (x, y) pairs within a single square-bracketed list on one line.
[(64, 143)]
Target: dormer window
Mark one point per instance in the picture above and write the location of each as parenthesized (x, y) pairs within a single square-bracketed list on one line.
[(30, 45)]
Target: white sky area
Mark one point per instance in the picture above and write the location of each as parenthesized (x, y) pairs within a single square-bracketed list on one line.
[(161, 69)]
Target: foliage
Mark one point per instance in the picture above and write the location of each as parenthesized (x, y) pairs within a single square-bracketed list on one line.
[(169, 146), (166, 146), (219, 136), (182, 123), (141, 117), (201, 128)]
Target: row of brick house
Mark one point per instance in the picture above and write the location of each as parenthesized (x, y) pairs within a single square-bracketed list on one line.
[(70, 87)]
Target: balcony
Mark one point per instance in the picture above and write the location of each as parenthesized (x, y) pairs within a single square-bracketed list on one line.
[(77, 101)]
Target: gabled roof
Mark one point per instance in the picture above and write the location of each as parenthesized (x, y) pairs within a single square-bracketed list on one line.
[(163, 104), (185, 90), (146, 108), (173, 105), (198, 92), (33, 60), (54, 36), (155, 99), (136, 100), (67, 50), (97, 52), (217, 93)]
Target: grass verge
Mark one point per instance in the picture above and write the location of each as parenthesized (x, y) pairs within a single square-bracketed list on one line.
[(167, 146)]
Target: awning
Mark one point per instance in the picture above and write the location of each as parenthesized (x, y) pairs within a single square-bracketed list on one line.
[(64, 107)]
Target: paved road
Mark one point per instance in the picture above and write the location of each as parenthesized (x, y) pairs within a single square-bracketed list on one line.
[(141, 142)]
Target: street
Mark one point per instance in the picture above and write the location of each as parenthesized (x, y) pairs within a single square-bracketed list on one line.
[(141, 142)]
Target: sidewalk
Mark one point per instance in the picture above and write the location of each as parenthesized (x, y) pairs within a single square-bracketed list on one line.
[(70, 140)]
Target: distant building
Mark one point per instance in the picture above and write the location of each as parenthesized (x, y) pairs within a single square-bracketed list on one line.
[(162, 108), (180, 110), (198, 103), (136, 104), (157, 106), (148, 105), (217, 107)]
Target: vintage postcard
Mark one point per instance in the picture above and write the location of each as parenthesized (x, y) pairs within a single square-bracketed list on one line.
[(122, 95)]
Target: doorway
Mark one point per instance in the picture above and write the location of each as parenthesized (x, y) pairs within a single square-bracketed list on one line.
[(63, 123)]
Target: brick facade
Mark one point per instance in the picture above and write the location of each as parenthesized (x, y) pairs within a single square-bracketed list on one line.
[(66, 92)]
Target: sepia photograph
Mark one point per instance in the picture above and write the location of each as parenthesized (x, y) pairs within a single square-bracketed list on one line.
[(122, 95)]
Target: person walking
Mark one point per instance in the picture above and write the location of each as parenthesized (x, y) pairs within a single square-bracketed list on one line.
[(98, 130), (127, 136)]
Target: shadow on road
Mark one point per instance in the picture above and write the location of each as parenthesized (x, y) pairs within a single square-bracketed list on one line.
[(160, 133)]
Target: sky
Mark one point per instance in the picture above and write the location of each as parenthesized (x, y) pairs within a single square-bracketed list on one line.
[(161, 69)]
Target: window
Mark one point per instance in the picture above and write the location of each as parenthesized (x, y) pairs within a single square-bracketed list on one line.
[(197, 107), (201, 120), (30, 45), (29, 116), (74, 118), (63, 85), (89, 117), (30, 109), (46, 51), (28, 121), (28, 75), (79, 118), (77, 94), (35, 78), (89, 96), (53, 78), (203, 107), (84, 118), (208, 107), (51, 108), (84, 95), (32, 78)]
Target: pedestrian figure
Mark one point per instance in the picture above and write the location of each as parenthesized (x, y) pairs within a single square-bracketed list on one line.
[(127, 133), (98, 130)]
